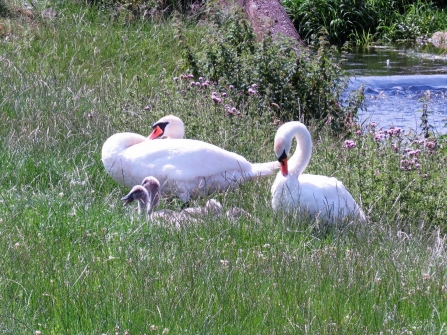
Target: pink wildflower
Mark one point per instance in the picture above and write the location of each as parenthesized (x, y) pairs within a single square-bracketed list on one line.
[(217, 100), (349, 144)]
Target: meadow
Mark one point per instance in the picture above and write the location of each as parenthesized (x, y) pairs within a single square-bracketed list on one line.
[(74, 260)]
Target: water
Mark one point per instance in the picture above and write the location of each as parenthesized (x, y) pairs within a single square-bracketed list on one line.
[(398, 80)]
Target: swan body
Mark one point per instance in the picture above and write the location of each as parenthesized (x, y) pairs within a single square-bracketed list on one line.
[(186, 168), (169, 126), (292, 191)]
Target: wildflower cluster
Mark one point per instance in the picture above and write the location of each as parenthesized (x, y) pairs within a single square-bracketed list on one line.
[(226, 96)]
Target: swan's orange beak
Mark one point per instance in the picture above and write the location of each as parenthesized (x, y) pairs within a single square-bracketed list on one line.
[(283, 161), (157, 132), (284, 168)]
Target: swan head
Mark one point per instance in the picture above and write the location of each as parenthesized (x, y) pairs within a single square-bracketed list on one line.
[(283, 144), (137, 193), (282, 150), (169, 126)]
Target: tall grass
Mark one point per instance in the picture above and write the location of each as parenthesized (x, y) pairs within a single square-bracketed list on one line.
[(367, 22), (75, 261)]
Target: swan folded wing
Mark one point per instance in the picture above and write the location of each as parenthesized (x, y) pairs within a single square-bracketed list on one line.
[(315, 194), (185, 167)]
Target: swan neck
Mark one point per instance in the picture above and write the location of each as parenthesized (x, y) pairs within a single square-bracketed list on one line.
[(303, 152)]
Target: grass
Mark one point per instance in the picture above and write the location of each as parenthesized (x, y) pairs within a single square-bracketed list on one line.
[(75, 261), (367, 22)]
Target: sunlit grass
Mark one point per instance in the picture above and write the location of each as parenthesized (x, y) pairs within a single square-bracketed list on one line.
[(75, 261)]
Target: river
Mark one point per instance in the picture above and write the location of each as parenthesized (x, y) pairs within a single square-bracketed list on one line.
[(398, 81)]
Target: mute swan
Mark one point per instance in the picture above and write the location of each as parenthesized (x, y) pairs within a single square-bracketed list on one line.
[(184, 167), (169, 126), (321, 196)]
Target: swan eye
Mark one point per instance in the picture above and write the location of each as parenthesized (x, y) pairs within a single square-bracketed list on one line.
[(158, 130), (282, 157)]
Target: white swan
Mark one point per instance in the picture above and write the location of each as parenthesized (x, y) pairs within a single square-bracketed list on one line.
[(321, 196), (184, 167), (169, 126)]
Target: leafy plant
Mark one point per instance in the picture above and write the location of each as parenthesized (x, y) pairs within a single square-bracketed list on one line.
[(299, 85), (365, 22), (4, 10)]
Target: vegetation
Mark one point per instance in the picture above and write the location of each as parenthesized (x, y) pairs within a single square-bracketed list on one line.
[(303, 86), (366, 22), (75, 261)]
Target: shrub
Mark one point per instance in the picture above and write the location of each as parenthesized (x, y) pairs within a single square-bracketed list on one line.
[(305, 85), (4, 10)]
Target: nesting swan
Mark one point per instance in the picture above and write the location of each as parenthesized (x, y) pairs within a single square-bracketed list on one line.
[(315, 195), (184, 167)]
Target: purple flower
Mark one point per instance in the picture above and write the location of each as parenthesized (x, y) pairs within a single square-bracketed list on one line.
[(254, 85), (414, 152), (231, 87), (379, 135), (216, 99), (431, 145), (358, 132), (176, 79), (349, 144), (251, 91), (373, 124)]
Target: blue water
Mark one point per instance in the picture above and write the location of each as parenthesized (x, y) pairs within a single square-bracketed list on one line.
[(398, 79), (398, 100)]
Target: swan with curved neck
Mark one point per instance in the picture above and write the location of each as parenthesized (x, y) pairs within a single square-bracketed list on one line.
[(185, 168), (169, 126), (320, 196)]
